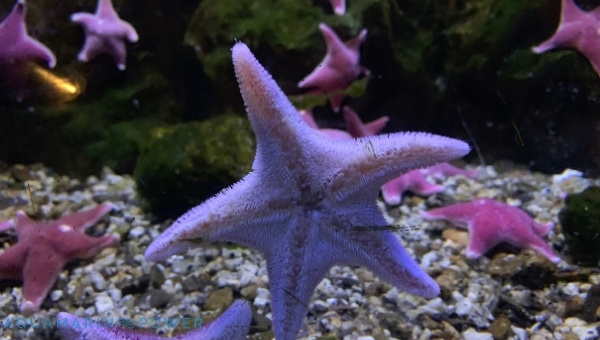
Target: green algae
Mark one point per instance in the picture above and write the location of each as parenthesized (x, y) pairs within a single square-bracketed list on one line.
[(183, 164), (580, 220)]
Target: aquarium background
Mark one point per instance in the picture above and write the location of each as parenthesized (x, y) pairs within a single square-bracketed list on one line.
[(173, 122)]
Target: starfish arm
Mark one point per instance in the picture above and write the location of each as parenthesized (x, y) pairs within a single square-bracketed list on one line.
[(374, 127), (23, 224), (232, 216), (536, 243), (392, 191), (382, 253), (106, 11), (323, 78), (292, 280), (12, 261), (118, 51), (570, 11), (87, 20), (129, 32), (233, 324), (458, 214), (335, 46), (354, 44), (447, 169), (5, 225), (339, 6), (382, 158), (13, 26), (589, 46), (36, 50), (92, 47), (422, 187), (42, 267), (82, 220), (566, 36)]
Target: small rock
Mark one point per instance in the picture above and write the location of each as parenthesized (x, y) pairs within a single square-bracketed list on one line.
[(500, 327), (471, 334), (460, 237), (219, 299)]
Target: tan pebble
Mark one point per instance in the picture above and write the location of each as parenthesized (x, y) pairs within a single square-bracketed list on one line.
[(457, 236), (500, 327)]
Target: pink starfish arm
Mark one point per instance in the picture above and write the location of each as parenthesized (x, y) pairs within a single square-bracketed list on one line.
[(6, 225), (339, 6), (12, 261), (577, 29), (331, 133), (414, 181), (41, 270), (16, 44), (447, 169), (357, 128), (82, 220), (339, 67)]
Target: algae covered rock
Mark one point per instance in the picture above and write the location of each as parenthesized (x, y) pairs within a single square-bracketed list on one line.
[(184, 164), (580, 221)]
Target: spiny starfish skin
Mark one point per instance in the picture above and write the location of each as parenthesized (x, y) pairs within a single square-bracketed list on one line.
[(105, 33), (338, 69), (491, 222), (43, 248), (310, 202), (577, 29), (233, 324)]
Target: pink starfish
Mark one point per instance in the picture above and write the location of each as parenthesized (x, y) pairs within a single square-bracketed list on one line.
[(310, 202), (233, 324), (6, 225), (17, 48), (105, 33), (416, 181), (356, 128), (578, 30), (491, 222), (307, 116), (354, 125), (43, 248), (338, 69), (339, 6)]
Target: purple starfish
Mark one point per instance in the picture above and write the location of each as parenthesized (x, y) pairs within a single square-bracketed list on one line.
[(416, 181), (310, 202), (578, 30), (17, 48), (338, 69), (231, 325), (43, 248), (105, 33), (491, 222)]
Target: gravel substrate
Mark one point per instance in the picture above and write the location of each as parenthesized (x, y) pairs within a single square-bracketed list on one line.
[(509, 294)]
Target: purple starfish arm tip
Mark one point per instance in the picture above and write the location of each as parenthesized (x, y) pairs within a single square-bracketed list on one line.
[(233, 324)]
